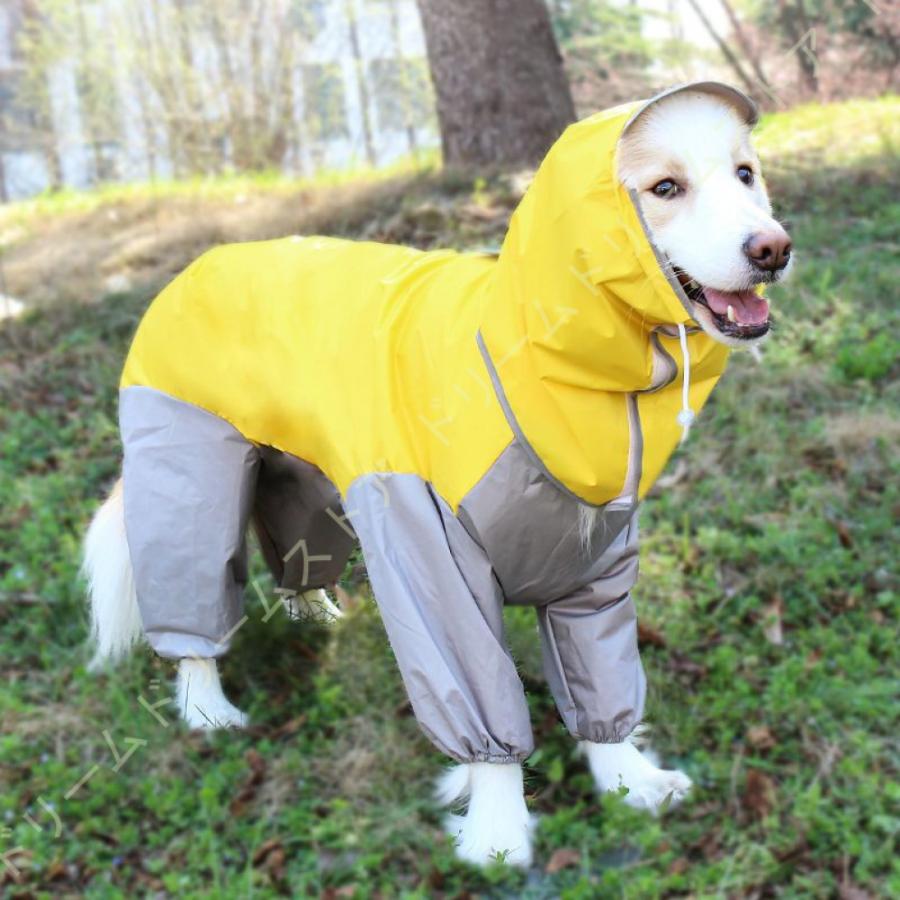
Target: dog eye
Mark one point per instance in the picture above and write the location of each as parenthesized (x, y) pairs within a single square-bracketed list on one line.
[(666, 189), (745, 173)]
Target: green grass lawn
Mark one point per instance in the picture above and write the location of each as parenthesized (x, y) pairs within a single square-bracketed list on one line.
[(767, 600)]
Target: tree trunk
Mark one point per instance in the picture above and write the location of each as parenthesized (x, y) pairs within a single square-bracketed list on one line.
[(502, 93)]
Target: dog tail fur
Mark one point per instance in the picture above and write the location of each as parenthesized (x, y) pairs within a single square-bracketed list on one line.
[(115, 617)]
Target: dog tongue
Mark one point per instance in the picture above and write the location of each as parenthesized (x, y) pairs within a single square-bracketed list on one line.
[(749, 307)]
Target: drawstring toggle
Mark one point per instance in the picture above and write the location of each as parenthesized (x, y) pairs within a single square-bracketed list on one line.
[(686, 415)]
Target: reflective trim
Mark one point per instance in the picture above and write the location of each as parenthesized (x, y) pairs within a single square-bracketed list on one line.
[(664, 265), (629, 494), (514, 425)]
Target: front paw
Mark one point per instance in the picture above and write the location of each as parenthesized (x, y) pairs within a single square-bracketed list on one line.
[(497, 826), (213, 716), (481, 840), (649, 788), (658, 791)]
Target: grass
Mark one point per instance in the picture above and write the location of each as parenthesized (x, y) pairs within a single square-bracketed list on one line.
[(767, 600)]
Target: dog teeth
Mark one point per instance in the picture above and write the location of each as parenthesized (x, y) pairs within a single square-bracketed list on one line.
[(731, 315)]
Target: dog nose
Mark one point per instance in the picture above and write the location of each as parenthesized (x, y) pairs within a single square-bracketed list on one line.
[(769, 250)]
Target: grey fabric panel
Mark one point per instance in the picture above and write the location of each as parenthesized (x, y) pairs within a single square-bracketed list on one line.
[(189, 478), (296, 502), (591, 656), (529, 530), (442, 609)]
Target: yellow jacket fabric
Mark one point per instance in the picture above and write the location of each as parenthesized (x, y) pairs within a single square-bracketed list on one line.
[(362, 357)]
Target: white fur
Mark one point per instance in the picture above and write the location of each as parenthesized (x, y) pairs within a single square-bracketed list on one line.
[(700, 141), (587, 518), (115, 618), (623, 765), (497, 824), (200, 699)]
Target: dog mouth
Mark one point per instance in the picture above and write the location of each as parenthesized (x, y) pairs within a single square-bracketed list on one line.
[(738, 314)]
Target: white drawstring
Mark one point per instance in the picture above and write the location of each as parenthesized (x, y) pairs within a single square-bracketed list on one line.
[(686, 416)]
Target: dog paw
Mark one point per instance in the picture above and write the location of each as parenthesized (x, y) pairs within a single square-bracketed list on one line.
[(210, 717), (482, 842), (497, 826), (649, 788), (658, 791), (200, 699), (453, 785)]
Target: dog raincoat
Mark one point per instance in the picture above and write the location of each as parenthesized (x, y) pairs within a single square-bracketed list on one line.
[(456, 413)]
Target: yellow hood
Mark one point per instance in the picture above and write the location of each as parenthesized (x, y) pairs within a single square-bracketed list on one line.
[(579, 303)]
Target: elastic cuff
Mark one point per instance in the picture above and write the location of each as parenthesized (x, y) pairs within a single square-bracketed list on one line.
[(486, 757), (617, 736), (178, 645), (500, 758)]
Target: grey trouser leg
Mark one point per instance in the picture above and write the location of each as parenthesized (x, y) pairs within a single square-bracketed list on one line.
[(590, 646), (442, 608), (188, 486)]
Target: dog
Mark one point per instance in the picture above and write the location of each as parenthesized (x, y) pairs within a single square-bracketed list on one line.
[(487, 438)]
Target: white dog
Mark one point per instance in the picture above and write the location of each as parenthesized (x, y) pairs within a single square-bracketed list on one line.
[(690, 165)]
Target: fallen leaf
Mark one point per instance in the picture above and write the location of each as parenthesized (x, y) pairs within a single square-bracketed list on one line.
[(292, 726), (256, 777), (275, 864), (678, 866), (843, 533), (759, 794), (794, 852), (56, 871), (687, 666), (564, 858), (264, 849), (649, 636), (256, 762), (812, 659), (760, 737)]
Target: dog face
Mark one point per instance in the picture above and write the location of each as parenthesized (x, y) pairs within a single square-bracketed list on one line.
[(703, 198)]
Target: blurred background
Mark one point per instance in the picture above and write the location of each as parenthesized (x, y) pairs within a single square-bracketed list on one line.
[(95, 92), (134, 134)]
